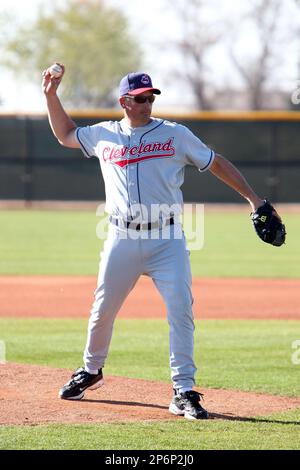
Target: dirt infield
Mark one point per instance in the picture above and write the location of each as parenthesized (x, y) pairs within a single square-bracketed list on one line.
[(57, 296), (119, 400)]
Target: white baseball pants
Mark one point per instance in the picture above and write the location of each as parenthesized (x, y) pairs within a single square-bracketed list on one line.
[(123, 260)]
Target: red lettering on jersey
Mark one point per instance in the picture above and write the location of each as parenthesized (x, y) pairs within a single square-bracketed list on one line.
[(133, 150), (167, 145), (109, 153), (105, 153), (144, 151), (157, 147), (123, 163)]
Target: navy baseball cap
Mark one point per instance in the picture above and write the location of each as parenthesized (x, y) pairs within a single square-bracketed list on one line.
[(136, 83)]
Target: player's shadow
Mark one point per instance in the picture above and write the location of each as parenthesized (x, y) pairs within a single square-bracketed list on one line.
[(249, 419), (211, 414), (127, 403)]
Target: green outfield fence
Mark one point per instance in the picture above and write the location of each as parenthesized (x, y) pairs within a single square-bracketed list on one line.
[(263, 145)]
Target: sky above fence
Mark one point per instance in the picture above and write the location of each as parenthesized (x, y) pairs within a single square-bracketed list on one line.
[(152, 27)]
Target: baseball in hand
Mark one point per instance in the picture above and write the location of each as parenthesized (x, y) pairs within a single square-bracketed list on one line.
[(55, 70)]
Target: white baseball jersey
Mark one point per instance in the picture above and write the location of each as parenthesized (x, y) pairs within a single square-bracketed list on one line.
[(145, 165)]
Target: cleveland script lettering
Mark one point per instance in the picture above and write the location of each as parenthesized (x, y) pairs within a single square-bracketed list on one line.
[(116, 154)]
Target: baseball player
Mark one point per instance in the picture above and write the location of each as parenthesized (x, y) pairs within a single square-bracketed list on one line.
[(142, 161)]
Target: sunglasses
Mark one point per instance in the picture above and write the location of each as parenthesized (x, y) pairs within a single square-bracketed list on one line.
[(141, 99)]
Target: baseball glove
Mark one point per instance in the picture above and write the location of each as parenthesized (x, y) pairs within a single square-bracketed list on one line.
[(268, 224)]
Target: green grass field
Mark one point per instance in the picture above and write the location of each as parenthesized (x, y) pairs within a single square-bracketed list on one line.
[(65, 242), (242, 354), (279, 431)]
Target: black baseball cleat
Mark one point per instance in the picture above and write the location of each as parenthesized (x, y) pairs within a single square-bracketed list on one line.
[(80, 381), (187, 404)]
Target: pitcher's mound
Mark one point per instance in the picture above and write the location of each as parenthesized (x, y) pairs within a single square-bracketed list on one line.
[(29, 395)]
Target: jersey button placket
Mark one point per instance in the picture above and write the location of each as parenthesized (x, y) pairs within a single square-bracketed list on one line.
[(132, 185), (132, 180)]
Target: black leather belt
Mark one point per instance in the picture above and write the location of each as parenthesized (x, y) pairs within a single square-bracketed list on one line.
[(133, 226)]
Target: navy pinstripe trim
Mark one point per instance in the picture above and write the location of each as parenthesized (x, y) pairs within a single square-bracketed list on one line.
[(210, 159), (128, 197), (126, 170), (85, 150), (138, 183), (137, 173), (151, 130)]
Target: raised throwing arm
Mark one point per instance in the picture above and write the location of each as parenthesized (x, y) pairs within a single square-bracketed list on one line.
[(61, 124)]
